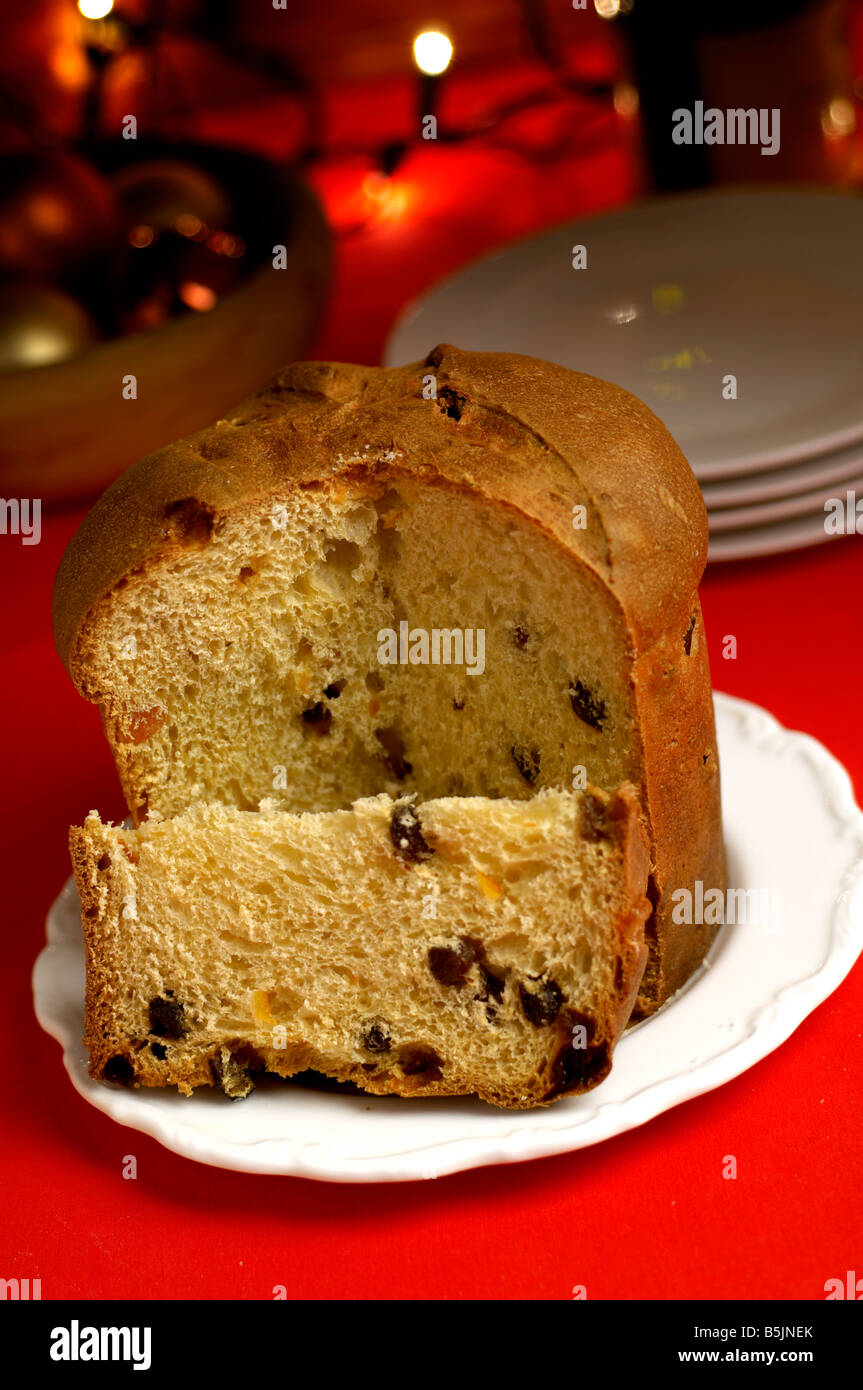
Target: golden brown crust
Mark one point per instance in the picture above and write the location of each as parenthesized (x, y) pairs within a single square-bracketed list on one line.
[(682, 794), (532, 436)]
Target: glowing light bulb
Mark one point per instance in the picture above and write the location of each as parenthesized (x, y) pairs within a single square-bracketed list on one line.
[(610, 9), (95, 9), (432, 53)]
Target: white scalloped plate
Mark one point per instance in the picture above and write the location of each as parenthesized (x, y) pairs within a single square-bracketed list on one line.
[(792, 827)]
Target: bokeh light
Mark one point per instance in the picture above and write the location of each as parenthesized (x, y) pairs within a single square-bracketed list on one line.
[(432, 52), (95, 9)]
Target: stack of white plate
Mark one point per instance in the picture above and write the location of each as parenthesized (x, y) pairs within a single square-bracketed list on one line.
[(738, 318)]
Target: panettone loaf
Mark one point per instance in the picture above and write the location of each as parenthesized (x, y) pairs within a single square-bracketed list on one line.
[(446, 947), (232, 602)]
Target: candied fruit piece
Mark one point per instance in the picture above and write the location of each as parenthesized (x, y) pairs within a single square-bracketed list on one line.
[(489, 886), (589, 708), (375, 1036), (596, 818), (493, 985), (167, 1017), (232, 1070), (542, 1005), (574, 1064), (452, 404), (407, 836), (261, 1009), (118, 1069), (143, 725), (450, 964)]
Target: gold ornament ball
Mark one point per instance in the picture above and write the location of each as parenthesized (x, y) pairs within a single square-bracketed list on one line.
[(56, 213), (40, 326)]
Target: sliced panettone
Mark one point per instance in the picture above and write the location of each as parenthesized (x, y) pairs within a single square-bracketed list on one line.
[(449, 947), (474, 576)]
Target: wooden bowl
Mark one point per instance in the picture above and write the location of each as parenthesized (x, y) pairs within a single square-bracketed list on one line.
[(66, 431)]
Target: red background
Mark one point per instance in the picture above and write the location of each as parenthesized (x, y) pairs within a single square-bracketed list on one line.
[(646, 1215)]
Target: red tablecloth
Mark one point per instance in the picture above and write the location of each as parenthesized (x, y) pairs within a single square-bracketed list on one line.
[(646, 1215)]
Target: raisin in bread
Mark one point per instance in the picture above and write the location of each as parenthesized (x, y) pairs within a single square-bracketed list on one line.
[(223, 605), (451, 947)]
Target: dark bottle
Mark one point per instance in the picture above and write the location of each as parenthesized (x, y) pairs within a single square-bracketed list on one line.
[(788, 56)]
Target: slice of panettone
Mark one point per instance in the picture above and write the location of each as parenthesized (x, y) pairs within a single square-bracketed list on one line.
[(458, 946)]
